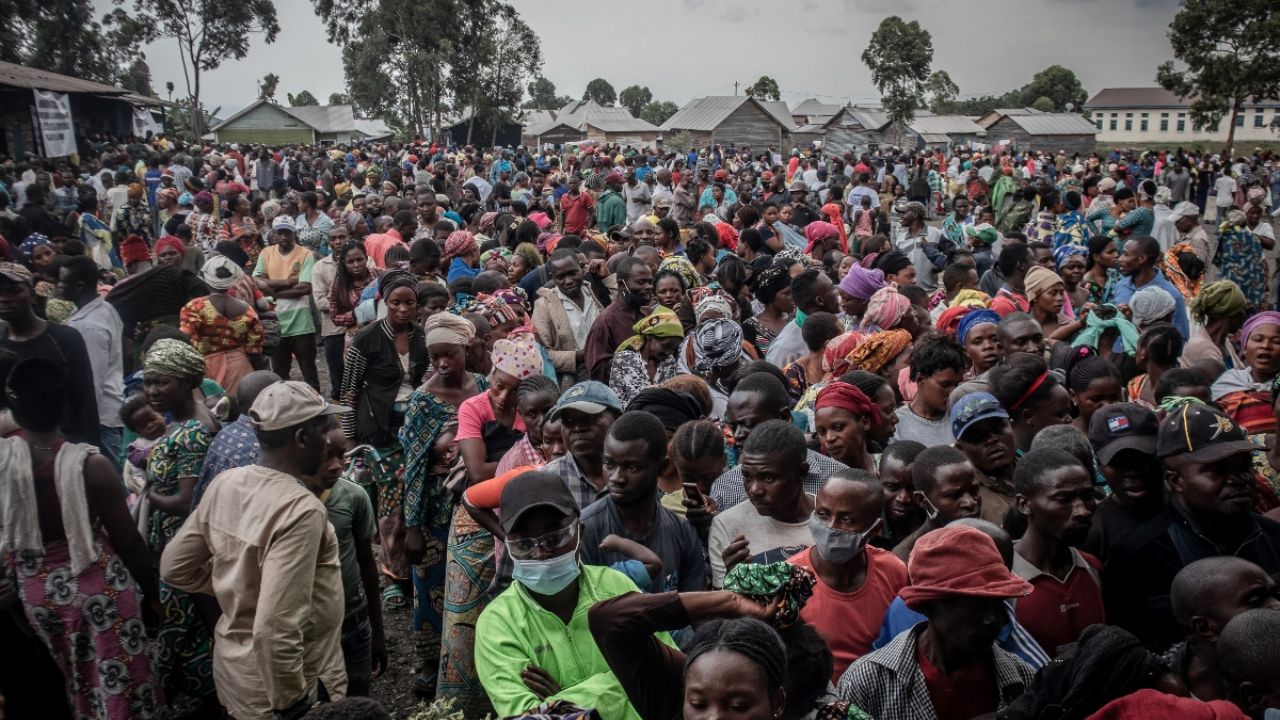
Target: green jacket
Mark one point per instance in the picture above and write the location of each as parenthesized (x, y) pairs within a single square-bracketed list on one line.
[(514, 631), (611, 210)]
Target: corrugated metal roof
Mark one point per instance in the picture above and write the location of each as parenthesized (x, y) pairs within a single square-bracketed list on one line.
[(326, 118), (812, 107), (778, 110), (811, 129), (1054, 124), (705, 114), (22, 76), (533, 116), (372, 128), (946, 124), (929, 138), (546, 127), (609, 119), (868, 118)]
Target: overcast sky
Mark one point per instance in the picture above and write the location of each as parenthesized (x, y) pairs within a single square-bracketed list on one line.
[(682, 49)]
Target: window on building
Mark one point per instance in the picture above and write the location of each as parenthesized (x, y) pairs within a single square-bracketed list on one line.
[(1143, 124), (1240, 120), (1164, 122), (1098, 122), (1257, 120), (1113, 122), (1182, 122), (1128, 122)]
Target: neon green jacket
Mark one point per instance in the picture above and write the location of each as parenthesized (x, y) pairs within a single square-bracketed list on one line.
[(514, 631)]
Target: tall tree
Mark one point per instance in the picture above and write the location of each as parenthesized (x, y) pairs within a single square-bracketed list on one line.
[(941, 90), (657, 113), (899, 57), (542, 95), (302, 99), (1057, 83), (601, 91), (764, 88), (339, 99), (1229, 52), (208, 32), (634, 98), (137, 78), (512, 57), (267, 86)]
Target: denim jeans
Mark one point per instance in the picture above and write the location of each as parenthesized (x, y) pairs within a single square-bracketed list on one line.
[(335, 347), (112, 441), (357, 653)]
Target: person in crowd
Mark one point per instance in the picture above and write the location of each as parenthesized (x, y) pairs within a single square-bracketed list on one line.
[(72, 555), (1138, 264), (959, 582), (819, 329), (1101, 273), (902, 515), (855, 582), (1219, 312), (1092, 381), (616, 322), (648, 357), (1159, 348), (757, 398), (1240, 257), (236, 444), (102, 331), (564, 314), (772, 287), (332, 337), (1014, 263), (812, 291), (1212, 489), (261, 543), (937, 366), (976, 332), (1244, 392), (984, 434), (1206, 595), (774, 525), (946, 489), (585, 412), (284, 272), (1123, 436), (1031, 395), (842, 417), (224, 329), (1056, 496), (533, 643), (634, 457)]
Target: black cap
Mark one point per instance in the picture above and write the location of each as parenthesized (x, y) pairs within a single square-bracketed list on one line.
[(1122, 426), (1202, 431), (534, 489)]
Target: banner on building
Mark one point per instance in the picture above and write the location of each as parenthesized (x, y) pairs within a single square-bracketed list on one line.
[(54, 110), (144, 122)]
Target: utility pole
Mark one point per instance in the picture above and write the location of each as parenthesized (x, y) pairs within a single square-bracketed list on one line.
[(735, 88)]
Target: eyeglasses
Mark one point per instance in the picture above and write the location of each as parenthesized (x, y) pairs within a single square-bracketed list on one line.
[(524, 548)]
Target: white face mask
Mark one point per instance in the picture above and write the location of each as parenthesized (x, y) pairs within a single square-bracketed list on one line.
[(839, 546), (547, 577)]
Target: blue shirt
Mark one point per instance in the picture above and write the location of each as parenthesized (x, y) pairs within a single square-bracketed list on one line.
[(235, 445), (1013, 637), (1124, 293), (460, 269)]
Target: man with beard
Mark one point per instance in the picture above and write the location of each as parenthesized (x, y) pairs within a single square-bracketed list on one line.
[(635, 455), (1056, 495), (615, 323), (984, 435)]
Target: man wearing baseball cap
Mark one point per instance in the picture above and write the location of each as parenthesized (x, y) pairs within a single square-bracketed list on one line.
[(585, 411), (533, 643), (984, 434), (260, 541), (284, 272), (960, 582), (1123, 436), (1208, 468)]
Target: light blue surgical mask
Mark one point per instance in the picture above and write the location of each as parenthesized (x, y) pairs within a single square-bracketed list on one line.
[(547, 577), (838, 546)]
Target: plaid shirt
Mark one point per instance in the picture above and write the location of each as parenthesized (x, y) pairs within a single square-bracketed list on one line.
[(889, 684), (728, 489), (574, 479), (235, 445)]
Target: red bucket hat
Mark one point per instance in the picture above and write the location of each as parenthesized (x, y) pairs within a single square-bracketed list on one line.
[(959, 560)]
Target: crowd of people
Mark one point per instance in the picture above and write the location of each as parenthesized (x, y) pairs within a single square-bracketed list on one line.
[(736, 432)]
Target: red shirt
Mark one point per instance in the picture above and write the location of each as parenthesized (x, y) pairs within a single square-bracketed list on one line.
[(1007, 301), (971, 693), (378, 244), (850, 622), (1056, 612), (577, 213)]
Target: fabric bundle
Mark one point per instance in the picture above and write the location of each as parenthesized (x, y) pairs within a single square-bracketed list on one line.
[(764, 583)]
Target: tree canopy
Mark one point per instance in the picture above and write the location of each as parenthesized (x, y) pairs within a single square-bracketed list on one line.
[(267, 86), (542, 95), (899, 57), (601, 91), (941, 90), (656, 112), (634, 99), (764, 88), (66, 37), (302, 99), (1228, 52)]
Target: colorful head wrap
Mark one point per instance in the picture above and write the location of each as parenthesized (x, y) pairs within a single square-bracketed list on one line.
[(790, 256), (1063, 253), (849, 397), (974, 319), (169, 356), (204, 201), (817, 232), (728, 236), (879, 349), (220, 272), (1217, 300), (832, 211), (714, 302), (392, 280), (949, 320), (770, 281), (681, 265), (33, 241), (717, 343), (1255, 321), (886, 308), (134, 249), (171, 241), (515, 298), (1039, 280), (517, 356), (661, 323), (502, 256), (861, 282), (1095, 325), (971, 299), (835, 356), (459, 243), (449, 329)]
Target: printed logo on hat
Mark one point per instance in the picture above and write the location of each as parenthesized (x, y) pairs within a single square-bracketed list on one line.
[(1117, 424), (1223, 425), (576, 391)]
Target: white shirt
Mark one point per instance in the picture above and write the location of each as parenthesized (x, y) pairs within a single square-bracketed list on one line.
[(1225, 187), (101, 328), (580, 318)]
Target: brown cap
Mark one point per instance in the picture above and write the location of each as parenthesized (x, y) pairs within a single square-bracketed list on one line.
[(289, 403)]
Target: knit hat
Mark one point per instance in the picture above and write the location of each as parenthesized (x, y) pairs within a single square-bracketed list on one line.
[(958, 560)]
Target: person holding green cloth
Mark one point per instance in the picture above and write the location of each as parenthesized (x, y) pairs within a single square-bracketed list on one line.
[(647, 358)]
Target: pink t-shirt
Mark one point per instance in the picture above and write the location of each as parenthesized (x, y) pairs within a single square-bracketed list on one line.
[(473, 413)]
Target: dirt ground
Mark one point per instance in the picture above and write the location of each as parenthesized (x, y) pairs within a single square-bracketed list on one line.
[(394, 688)]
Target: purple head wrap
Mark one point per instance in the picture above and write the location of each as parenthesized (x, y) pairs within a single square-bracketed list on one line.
[(1255, 321), (861, 282)]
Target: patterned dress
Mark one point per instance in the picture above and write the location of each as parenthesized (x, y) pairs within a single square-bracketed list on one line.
[(629, 374), (1240, 259), (185, 664), (225, 342)]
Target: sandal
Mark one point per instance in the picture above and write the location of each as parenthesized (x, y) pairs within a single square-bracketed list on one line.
[(424, 687), (393, 597)]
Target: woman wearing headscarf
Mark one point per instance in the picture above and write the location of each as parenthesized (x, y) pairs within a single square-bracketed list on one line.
[(207, 226), (1070, 260), (1239, 257), (1244, 393), (242, 230), (463, 255), (223, 329), (171, 372), (821, 237), (772, 288), (888, 309), (1151, 305), (897, 268), (717, 352), (842, 417), (976, 332), (649, 357), (134, 217), (856, 289), (884, 353), (427, 508), (1047, 294), (1219, 312)]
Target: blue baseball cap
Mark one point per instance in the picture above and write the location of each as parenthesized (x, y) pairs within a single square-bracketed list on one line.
[(590, 397), (974, 408)]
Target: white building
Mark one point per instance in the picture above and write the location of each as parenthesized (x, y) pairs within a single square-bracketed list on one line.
[(1155, 115)]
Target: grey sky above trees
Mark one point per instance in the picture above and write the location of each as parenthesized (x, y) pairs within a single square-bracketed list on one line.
[(986, 50)]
